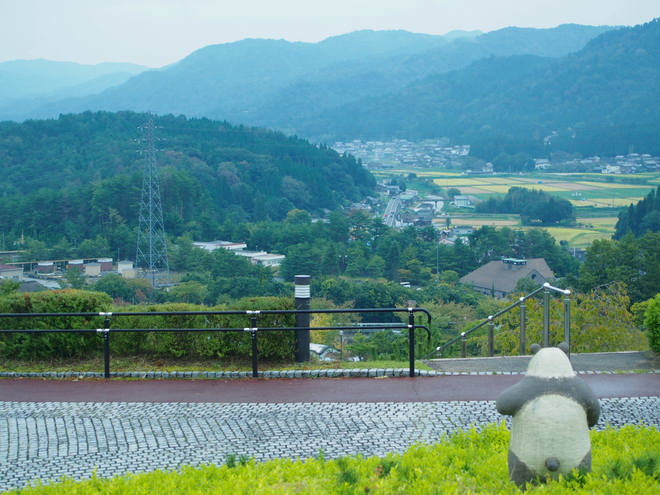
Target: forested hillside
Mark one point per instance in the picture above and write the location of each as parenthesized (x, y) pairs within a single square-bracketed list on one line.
[(640, 218), (602, 100), (76, 175), (284, 85)]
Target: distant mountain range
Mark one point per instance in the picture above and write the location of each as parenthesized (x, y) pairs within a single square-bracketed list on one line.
[(603, 100), (271, 83), (27, 84)]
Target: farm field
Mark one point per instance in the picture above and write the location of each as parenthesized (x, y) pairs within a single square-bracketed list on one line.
[(578, 237), (595, 197), (579, 189)]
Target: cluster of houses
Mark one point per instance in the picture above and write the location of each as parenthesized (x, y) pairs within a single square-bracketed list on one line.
[(90, 267), (629, 164), (377, 155), (39, 274), (261, 258), (44, 274)]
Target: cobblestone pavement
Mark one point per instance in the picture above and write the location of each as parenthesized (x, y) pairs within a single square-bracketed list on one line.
[(47, 440)]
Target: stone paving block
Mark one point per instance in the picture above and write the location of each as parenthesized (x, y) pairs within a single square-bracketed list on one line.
[(49, 439)]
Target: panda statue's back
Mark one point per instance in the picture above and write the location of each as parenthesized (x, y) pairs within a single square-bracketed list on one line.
[(552, 412)]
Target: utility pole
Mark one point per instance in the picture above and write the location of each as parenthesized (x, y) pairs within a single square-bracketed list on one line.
[(151, 260)]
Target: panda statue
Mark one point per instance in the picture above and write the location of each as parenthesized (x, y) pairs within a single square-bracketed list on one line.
[(552, 412)]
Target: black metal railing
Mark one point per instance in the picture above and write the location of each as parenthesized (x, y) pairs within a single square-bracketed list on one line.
[(254, 329), (490, 321)]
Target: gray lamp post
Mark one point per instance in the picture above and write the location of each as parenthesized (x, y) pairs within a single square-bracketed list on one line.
[(302, 319)]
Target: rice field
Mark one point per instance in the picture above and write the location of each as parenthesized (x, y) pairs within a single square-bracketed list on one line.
[(588, 193), (539, 187), (589, 229), (609, 185), (581, 193)]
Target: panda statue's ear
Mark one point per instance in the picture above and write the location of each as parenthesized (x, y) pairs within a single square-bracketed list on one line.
[(534, 348), (564, 347)]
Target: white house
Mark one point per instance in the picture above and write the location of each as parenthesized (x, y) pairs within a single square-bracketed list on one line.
[(11, 272)]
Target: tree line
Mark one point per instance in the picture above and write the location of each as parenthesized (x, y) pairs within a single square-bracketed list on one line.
[(533, 206)]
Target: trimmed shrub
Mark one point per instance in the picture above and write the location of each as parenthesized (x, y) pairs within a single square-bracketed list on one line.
[(52, 345), (625, 461), (652, 323), (271, 345), (276, 345)]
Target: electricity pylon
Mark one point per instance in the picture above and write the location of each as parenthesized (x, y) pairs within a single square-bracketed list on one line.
[(151, 260)]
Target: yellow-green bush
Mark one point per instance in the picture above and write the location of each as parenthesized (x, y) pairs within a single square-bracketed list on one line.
[(600, 322), (625, 461)]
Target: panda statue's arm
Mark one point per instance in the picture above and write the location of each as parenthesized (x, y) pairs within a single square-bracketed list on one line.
[(512, 399), (589, 402)]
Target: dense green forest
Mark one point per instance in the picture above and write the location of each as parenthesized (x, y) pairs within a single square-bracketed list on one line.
[(80, 176), (640, 218), (633, 261), (533, 206), (350, 258), (602, 100)]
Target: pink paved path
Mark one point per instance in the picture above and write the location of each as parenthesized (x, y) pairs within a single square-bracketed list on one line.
[(351, 390)]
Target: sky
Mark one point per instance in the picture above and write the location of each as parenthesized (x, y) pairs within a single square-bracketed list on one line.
[(160, 32)]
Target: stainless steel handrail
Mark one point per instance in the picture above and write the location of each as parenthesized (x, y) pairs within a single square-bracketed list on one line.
[(545, 288)]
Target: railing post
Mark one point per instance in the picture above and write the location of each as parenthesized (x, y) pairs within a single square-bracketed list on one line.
[(567, 319), (302, 319), (106, 346), (253, 326), (341, 345), (491, 337), (463, 344), (523, 317), (411, 341), (546, 315)]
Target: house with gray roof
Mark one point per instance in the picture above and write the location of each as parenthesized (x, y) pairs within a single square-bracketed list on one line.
[(500, 277), (11, 272)]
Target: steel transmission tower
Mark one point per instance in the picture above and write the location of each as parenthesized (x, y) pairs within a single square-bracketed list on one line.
[(151, 260)]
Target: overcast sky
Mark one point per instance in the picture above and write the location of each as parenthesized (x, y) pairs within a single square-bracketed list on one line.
[(159, 32)]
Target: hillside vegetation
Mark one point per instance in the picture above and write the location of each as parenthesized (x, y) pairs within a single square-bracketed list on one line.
[(282, 84), (603, 100), (80, 174)]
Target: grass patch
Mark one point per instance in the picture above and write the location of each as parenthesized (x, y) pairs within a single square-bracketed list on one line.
[(143, 364), (624, 461)]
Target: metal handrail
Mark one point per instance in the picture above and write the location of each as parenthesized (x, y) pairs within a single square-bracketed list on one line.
[(253, 328), (545, 288)]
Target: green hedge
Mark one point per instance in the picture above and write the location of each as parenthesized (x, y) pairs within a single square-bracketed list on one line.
[(271, 345), (625, 461), (52, 345), (652, 323)]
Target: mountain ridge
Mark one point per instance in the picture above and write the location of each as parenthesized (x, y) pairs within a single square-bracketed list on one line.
[(258, 89)]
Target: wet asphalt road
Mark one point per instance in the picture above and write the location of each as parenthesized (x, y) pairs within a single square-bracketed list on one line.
[(326, 390)]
